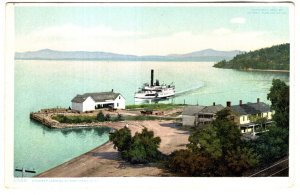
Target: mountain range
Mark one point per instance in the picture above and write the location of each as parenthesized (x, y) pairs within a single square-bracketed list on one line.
[(203, 55)]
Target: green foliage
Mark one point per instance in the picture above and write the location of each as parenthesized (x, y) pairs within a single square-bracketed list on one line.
[(73, 119), (107, 117), (188, 163), (279, 97), (100, 117), (121, 139), (206, 142), (240, 160), (272, 145), (119, 117), (141, 148), (273, 58), (217, 150)]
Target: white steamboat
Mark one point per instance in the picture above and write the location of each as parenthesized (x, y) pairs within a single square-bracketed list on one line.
[(155, 91)]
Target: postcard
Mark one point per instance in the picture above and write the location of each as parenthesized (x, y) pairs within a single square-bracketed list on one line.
[(103, 91)]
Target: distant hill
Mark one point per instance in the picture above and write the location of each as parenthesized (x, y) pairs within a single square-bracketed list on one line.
[(271, 58), (48, 54)]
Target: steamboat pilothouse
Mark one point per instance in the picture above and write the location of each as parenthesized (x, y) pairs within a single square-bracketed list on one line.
[(155, 91)]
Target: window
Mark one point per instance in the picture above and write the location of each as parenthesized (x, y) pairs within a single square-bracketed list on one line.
[(243, 118), (119, 97), (117, 104)]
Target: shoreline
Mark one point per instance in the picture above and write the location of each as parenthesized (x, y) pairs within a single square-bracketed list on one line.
[(263, 70), (105, 161)]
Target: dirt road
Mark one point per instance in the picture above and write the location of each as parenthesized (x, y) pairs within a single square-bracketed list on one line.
[(105, 161)]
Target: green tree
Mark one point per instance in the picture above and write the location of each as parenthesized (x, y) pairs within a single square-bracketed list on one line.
[(100, 117), (144, 147), (188, 163), (216, 150), (121, 139), (240, 160), (141, 148), (227, 131), (279, 97), (206, 142), (272, 145)]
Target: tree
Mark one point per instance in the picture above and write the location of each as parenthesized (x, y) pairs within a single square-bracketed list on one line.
[(121, 139), (206, 142), (141, 148), (100, 117), (144, 147), (240, 160), (279, 97), (217, 150), (272, 145), (227, 131), (188, 163)]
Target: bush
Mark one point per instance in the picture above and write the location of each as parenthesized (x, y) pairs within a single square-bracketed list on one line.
[(107, 117), (141, 148), (121, 139), (100, 117), (144, 147), (188, 163)]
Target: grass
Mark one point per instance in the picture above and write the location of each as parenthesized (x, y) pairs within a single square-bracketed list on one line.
[(89, 119), (74, 119), (154, 106)]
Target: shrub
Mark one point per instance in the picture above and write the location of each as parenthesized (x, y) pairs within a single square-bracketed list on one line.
[(100, 117), (121, 139), (144, 147), (141, 148)]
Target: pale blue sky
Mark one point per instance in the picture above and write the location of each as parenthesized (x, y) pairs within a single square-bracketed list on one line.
[(149, 30)]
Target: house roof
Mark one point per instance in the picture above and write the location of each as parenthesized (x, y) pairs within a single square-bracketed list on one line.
[(251, 108), (97, 97), (212, 109), (192, 110)]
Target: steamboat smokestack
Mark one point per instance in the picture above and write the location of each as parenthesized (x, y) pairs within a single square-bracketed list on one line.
[(152, 77)]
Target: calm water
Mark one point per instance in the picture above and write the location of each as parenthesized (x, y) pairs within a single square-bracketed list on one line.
[(46, 84)]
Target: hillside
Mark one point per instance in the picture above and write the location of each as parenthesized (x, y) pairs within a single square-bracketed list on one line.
[(48, 54), (272, 58)]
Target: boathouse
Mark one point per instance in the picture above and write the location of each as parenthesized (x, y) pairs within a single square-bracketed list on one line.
[(92, 101), (251, 117)]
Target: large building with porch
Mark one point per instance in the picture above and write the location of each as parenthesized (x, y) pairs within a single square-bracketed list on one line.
[(251, 117), (200, 115), (92, 101)]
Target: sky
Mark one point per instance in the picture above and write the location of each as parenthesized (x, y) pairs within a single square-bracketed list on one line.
[(158, 29)]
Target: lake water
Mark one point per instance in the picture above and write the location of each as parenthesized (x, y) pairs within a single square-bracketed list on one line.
[(47, 84)]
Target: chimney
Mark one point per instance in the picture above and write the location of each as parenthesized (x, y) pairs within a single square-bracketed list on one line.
[(214, 103), (228, 103), (257, 100), (112, 90), (241, 102), (152, 77)]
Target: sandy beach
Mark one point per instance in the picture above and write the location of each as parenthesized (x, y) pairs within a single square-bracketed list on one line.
[(105, 161)]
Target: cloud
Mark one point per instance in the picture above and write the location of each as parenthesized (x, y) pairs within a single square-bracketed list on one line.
[(71, 38), (238, 20)]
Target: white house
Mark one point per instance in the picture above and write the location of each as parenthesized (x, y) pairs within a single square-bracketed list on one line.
[(92, 101)]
